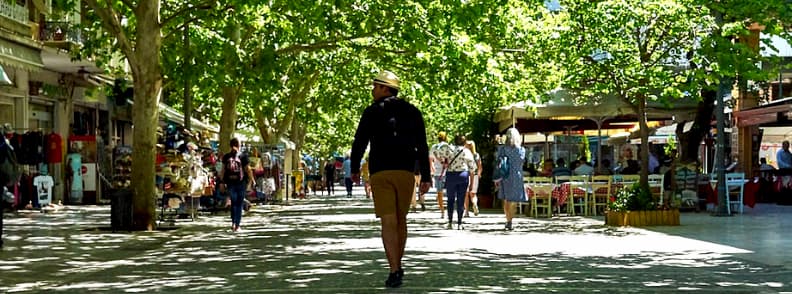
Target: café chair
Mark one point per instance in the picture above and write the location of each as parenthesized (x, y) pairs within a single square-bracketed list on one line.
[(541, 191), (600, 192)]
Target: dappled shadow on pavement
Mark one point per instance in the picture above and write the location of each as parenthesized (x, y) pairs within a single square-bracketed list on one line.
[(333, 246)]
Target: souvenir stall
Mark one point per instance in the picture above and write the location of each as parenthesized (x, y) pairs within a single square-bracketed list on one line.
[(267, 162), (35, 157), (182, 176)]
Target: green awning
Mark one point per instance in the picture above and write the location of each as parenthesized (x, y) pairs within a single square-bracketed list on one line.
[(4, 80), (20, 56)]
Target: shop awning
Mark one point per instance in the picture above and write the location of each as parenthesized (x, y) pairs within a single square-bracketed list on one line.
[(4, 80), (20, 56), (176, 116), (778, 111)]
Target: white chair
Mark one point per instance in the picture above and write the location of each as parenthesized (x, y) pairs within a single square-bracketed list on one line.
[(736, 182)]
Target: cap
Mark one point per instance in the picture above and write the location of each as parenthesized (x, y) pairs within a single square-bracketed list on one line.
[(388, 79)]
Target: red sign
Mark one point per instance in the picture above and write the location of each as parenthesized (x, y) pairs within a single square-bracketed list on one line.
[(84, 169)]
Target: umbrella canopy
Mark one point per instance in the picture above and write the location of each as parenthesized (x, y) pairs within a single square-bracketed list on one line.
[(563, 111)]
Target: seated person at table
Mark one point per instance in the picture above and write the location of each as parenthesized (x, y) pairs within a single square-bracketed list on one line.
[(784, 157), (561, 169), (632, 168), (584, 169), (547, 169), (763, 166), (606, 169)]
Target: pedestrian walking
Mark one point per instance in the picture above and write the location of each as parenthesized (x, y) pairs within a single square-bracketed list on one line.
[(510, 187), (348, 175), (236, 177), (437, 170), (395, 129), (329, 175), (364, 173), (418, 197), (8, 175), (473, 187), (458, 163)]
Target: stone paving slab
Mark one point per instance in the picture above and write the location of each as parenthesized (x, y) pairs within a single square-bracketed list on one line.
[(332, 245)]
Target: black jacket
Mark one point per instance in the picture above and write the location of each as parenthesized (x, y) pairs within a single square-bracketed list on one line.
[(397, 135)]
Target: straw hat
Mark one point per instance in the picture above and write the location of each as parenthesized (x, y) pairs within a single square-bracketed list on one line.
[(388, 79)]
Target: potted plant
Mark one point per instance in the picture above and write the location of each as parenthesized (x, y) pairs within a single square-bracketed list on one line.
[(635, 206)]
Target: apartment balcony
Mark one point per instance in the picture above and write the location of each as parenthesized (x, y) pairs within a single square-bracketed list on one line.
[(63, 35), (14, 19)]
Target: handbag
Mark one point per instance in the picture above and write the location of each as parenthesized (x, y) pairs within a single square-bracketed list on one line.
[(445, 166)]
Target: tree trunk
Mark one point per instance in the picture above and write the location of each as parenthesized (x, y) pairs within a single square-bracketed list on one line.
[(297, 134), (228, 118), (188, 106), (644, 131), (147, 72), (689, 142)]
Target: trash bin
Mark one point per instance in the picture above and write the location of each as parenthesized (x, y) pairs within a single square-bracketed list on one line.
[(121, 210)]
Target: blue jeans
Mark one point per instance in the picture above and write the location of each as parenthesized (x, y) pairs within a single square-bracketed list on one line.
[(237, 193), (348, 183), (456, 186)]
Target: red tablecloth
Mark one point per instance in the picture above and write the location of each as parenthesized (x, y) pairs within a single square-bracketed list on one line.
[(749, 193)]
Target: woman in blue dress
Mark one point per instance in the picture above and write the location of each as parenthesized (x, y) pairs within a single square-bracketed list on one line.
[(510, 188)]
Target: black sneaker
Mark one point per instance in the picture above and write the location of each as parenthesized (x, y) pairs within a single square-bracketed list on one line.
[(400, 273), (423, 207), (393, 281)]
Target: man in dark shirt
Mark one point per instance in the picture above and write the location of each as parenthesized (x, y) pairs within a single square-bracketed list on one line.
[(397, 134)]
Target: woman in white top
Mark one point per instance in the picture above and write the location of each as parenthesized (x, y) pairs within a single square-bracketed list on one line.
[(458, 163), (474, 180)]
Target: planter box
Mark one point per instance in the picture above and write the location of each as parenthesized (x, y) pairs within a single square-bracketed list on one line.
[(642, 218)]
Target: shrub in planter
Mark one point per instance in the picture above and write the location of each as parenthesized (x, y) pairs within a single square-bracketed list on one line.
[(635, 206)]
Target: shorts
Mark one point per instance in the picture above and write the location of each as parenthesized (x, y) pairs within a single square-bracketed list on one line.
[(439, 182), (474, 184), (392, 191)]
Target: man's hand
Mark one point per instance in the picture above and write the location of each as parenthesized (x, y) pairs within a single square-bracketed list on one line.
[(425, 187), (356, 178)]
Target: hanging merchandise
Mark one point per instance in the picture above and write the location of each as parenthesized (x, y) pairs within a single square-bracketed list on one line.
[(54, 148), (74, 162), (122, 172), (43, 184)]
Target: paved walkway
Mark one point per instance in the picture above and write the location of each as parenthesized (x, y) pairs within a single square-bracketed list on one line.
[(332, 245)]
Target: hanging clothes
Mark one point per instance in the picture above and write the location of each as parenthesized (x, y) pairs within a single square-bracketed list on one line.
[(54, 150)]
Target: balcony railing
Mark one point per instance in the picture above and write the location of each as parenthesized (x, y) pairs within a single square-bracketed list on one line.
[(14, 11), (60, 31)]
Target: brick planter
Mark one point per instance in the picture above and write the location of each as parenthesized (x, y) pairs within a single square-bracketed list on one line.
[(642, 218)]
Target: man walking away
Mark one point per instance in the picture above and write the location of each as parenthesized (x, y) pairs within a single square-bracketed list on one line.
[(348, 175), (395, 129)]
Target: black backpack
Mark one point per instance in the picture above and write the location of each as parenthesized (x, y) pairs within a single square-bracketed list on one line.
[(233, 170)]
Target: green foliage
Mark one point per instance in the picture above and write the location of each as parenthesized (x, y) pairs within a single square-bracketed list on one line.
[(585, 147), (633, 198), (671, 146)]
